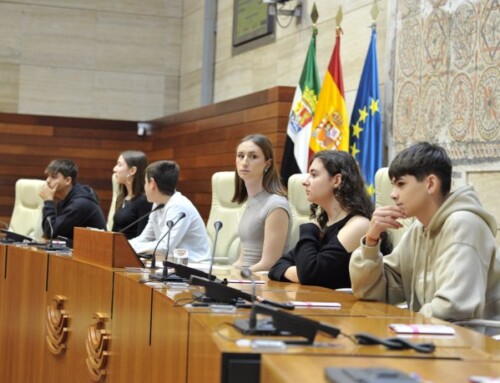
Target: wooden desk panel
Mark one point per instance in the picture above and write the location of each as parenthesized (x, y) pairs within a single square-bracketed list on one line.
[(3, 258), (294, 368), (130, 348), (169, 337), (88, 290), (24, 314)]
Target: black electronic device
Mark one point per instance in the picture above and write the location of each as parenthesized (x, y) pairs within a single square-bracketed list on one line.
[(299, 329), (11, 237), (220, 293)]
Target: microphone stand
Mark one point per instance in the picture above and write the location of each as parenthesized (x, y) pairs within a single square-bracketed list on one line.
[(252, 320), (170, 224), (217, 226)]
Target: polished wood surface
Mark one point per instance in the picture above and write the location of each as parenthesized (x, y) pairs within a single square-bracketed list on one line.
[(23, 322), (3, 260), (130, 359), (104, 248), (152, 332), (221, 336), (169, 337), (88, 290), (295, 368)]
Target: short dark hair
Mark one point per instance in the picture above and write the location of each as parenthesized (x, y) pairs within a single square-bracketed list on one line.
[(271, 180), (165, 174), (64, 166), (421, 160)]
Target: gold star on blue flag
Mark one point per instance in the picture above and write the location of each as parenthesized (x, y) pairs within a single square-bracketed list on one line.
[(366, 121)]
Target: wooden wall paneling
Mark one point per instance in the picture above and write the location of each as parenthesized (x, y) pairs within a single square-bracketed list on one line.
[(202, 141), (29, 143)]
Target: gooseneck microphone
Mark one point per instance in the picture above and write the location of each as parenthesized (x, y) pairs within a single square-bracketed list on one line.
[(153, 258), (50, 246), (252, 320), (217, 226), (158, 207)]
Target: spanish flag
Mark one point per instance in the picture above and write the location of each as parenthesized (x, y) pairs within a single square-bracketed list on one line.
[(330, 124)]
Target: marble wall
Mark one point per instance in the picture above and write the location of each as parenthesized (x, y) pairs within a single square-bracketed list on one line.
[(117, 59)]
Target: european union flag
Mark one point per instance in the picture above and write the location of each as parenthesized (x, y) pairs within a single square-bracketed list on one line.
[(366, 120)]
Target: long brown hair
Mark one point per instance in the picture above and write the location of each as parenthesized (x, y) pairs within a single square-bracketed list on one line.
[(271, 180), (139, 160)]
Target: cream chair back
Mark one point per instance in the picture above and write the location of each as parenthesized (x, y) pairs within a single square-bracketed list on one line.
[(26, 216), (227, 212), (299, 205)]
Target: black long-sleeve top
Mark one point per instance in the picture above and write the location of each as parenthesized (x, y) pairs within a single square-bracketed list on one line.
[(80, 208), (131, 211), (320, 261)]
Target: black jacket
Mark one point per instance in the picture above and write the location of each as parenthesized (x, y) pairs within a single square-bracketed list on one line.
[(80, 208), (320, 262)]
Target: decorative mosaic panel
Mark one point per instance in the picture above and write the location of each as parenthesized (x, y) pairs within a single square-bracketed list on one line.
[(447, 82)]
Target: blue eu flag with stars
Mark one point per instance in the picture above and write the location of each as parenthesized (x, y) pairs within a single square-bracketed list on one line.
[(365, 142)]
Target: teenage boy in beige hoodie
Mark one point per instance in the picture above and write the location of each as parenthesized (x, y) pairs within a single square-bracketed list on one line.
[(446, 265)]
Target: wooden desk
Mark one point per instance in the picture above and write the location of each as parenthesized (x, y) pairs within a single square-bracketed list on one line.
[(22, 330), (299, 368), (148, 336), (212, 342), (86, 290), (3, 259)]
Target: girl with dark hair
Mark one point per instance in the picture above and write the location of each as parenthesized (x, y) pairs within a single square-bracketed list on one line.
[(265, 226), (131, 202), (342, 210)]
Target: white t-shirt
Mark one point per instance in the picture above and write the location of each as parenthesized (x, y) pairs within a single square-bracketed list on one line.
[(187, 233)]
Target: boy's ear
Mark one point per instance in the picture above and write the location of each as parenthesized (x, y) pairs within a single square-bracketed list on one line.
[(433, 184)]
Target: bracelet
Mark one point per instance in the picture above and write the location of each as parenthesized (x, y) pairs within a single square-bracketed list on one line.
[(372, 240)]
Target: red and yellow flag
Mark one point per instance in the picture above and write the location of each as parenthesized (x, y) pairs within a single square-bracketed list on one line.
[(331, 125)]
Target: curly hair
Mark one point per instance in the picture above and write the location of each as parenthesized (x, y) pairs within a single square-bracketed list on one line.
[(351, 194)]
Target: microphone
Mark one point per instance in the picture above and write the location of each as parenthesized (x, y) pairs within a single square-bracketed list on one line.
[(252, 320), (158, 207), (50, 245), (217, 225), (153, 258)]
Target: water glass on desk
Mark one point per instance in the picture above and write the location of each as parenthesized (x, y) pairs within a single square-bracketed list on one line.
[(181, 256)]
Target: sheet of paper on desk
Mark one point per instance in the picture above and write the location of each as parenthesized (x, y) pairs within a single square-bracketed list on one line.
[(245, 281), (329, 305), (431, 329)]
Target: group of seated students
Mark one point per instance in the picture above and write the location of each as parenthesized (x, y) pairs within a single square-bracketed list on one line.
[(446, 265)]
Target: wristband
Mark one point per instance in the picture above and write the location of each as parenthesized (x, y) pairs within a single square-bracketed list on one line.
[(372, 240)]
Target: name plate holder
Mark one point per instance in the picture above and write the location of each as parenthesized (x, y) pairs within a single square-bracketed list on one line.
[(104, 248)]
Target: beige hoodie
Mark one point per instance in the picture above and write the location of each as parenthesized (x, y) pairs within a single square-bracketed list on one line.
[(449, 270)]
